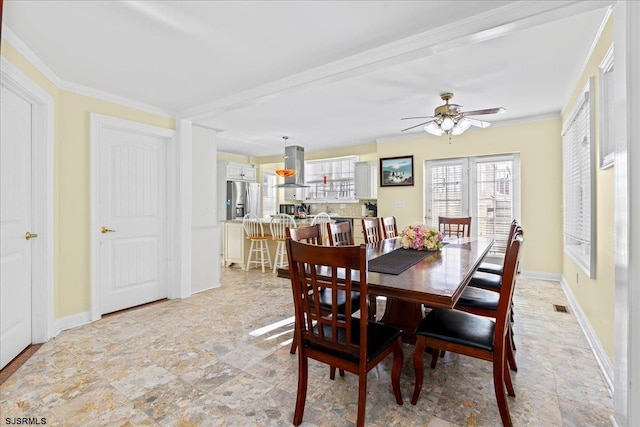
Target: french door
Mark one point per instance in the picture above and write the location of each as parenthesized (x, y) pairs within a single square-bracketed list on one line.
[(485, 188)]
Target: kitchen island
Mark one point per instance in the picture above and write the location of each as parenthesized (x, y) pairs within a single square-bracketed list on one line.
[(236, 246)]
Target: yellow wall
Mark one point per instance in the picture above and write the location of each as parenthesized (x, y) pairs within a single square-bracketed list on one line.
[(72, 286), (596, 297), (72, 209), (540, 148)]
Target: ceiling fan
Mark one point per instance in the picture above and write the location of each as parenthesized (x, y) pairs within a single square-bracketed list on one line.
[(449, 120)]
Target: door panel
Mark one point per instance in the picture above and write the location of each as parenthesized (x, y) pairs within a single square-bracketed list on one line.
[(132, 205), (15, 221)]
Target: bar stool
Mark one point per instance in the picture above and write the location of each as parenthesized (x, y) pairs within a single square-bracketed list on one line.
[(322, 219), (279, 224), (255, 233)]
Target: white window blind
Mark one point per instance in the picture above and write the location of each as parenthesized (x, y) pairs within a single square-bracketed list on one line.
[(446, 191), (331, 179), (578, 184), (494, 201)]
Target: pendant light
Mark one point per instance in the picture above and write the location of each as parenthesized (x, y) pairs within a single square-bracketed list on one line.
[(285, 173)]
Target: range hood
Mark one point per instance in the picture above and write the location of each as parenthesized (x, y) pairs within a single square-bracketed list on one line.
[(294, 159)]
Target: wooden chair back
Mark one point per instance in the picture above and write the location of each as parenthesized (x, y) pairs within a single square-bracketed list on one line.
[(455, 227), (371, 230), (340, 234), (509, 273), (309, 234), (389, 228), (331, 329), (279, 224)]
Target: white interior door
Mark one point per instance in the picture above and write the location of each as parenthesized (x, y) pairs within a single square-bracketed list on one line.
[(15, 221), (132, 216)]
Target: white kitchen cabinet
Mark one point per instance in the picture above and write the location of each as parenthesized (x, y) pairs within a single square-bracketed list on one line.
[(234, 247), (295, 193), (366, 176), (358, 237), (240, 172)]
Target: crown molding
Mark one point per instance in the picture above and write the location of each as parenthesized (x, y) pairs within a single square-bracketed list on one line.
[(10, 37), (492, 24), (31, 57), (582, 69), (116, 99)]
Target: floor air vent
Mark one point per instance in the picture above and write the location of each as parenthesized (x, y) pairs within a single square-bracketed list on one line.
[(561, 308)]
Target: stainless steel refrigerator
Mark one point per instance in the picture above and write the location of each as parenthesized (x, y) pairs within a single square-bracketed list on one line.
[(242, 198)]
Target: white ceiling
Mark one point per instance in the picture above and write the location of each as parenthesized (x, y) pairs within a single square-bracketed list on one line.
[(326, 73)]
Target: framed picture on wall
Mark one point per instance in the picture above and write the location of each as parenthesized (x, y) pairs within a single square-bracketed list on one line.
[(396, 171)]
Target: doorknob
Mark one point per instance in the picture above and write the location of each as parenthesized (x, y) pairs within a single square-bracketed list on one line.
[(104, 230), (30, 236)]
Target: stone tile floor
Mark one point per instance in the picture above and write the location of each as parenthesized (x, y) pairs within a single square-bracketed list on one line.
[(221, 358)]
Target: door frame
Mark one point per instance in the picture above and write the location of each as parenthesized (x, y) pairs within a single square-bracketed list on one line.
[(42, 185), (98, 123)]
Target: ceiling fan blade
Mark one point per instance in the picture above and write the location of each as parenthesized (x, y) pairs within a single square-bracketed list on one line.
[(478, 123), (485, 111), (421, 117), (421, 124)]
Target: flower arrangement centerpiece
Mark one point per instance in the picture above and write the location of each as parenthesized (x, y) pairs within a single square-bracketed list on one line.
[(421, 237)]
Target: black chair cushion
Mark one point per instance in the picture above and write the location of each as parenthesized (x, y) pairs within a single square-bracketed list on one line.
[(325, 301), (489, 281), (458, 327), (479, 298), (489, 267), (379, 337)]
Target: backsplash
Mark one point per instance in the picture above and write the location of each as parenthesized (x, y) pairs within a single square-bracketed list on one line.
[(349, 209)]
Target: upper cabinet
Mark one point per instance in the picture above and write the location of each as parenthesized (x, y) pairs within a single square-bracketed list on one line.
[(240, 172), (366, 180)]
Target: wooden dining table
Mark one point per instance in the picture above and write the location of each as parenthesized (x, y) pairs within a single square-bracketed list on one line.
[(438, 280)]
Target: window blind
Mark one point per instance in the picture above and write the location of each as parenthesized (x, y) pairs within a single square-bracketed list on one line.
[(494, 201), (446, 191), (578, 160)]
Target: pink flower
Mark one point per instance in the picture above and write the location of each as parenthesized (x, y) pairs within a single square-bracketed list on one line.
[(421, 237)]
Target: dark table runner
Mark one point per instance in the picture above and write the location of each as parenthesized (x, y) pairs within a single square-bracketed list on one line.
[(397, 261)]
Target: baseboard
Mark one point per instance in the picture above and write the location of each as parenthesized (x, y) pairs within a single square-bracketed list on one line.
[(606, 366), (73, 321), (554, 277)]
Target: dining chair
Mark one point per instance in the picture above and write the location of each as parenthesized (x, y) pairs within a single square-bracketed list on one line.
[(340, 234), (389, 228), (491, 281), (493, 268), (352, 344), (259, 248), (278, 226), (474, 336), (485, 303), (322, 218), (371, 230), (308, 234), (454, 227), (311, 235)]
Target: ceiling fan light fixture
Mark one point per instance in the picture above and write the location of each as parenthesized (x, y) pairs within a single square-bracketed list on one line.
[(447, 124), (462, 125), (434, 129)]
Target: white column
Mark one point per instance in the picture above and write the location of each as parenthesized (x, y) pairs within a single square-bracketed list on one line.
[(205, 238), (626, 214)]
